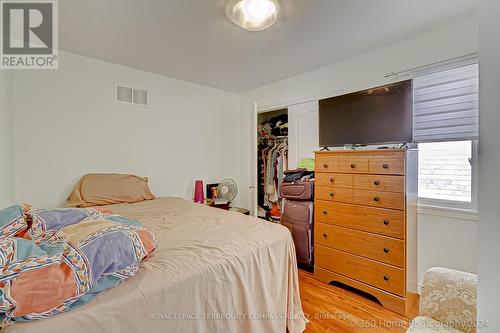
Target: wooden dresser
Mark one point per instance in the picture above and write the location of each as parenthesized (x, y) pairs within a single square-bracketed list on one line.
[(365, 223)]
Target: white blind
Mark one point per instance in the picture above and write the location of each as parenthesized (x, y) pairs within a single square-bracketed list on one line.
[(446, 105)]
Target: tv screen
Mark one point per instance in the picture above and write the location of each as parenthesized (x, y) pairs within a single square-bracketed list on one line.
[(373, 116)]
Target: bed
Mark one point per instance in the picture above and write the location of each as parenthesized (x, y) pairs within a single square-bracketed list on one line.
[(213, 271)]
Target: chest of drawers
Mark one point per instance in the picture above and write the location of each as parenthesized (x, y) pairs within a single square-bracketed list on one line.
[(365, 223)]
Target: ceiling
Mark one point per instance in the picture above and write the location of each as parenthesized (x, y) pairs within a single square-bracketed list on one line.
[(192, 40)]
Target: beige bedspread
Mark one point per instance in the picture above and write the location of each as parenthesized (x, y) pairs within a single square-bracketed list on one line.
[(214, 271)]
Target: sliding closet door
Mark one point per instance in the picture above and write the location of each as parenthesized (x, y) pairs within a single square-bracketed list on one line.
[(303, 132)]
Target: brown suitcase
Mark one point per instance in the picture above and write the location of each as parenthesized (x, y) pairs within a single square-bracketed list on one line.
[(297, 217), (297, 190)]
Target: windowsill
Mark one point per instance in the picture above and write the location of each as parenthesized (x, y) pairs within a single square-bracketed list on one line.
[(459, 213)]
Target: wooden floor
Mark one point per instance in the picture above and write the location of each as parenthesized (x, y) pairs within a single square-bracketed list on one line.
[(331, 309)]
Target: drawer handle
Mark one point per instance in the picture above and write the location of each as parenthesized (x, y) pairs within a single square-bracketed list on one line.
[(376, 183), (386, 278), (386, 222), (325, 236), (332, 180), (385, 166), (325, 212), (353, 166), (325, 166), (376, 199), (386, 250), (332, 194)]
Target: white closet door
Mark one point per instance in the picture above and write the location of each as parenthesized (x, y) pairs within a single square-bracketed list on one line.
[(303, 132)]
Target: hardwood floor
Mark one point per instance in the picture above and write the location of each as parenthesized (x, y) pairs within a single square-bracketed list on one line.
[(331, 309)]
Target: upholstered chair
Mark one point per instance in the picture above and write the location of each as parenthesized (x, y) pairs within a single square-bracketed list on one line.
[(447, 303)]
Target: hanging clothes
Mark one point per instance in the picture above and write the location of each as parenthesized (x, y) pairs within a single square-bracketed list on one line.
[(273, 159)]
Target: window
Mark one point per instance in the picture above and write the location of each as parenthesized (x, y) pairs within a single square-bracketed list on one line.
[(446, 175), (446, 126)]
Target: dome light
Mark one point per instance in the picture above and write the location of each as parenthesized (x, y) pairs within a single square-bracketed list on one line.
[(258, 10), (253, 15)]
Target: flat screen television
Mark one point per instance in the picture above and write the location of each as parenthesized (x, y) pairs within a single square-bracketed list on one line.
[(379, 115)]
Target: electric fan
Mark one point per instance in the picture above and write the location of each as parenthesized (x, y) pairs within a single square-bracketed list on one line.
[(226, 191)]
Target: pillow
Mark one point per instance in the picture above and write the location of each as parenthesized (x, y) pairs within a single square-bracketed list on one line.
[(99, 189), (12, 221)]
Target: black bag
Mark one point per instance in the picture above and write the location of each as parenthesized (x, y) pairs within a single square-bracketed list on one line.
[(296, 175)]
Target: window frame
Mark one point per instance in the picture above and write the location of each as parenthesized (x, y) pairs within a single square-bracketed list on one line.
[(430, 205), (441, 207)]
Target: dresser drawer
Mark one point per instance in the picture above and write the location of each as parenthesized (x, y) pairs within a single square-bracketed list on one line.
[(381, 248), (376, 274), (331, 193), (326, 163), (377, 220), (334, 179), (387, 166), (354, 165), (380, 183), (379, 199)]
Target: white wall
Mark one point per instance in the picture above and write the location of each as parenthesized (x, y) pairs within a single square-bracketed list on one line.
[(66, 124), (368, 70), (5, 141), (458, 39), (446, 241), (489, 160)]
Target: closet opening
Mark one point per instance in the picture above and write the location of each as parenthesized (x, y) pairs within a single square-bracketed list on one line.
[(272, 156)]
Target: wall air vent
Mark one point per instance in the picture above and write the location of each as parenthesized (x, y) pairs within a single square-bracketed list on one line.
[(140, 97), (131, 96)]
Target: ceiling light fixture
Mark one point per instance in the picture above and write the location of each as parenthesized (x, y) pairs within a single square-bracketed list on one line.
[(253, 15)]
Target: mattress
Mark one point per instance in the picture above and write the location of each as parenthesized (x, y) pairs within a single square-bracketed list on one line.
[(213, 271)]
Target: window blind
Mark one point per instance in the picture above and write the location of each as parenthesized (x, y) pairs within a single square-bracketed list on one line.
[(446, 105)]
